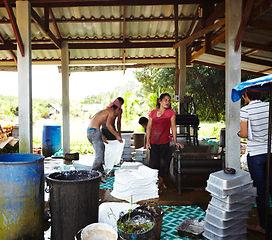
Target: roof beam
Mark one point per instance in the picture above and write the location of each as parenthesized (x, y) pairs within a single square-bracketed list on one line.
[(250, 52), (257, 46), (243, 58), (9, 43), (193, 23), (200, 33), (112, 67), (222, 67), (243, 23), (128, 19), (260, 10), (267, 26), (15, 27), (46, 18), (217, 13), (55, 24), (42, 24), (126, 45), (124, 38), (74, 3)]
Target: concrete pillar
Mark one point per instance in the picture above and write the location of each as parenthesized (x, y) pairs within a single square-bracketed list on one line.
[(233, 77), (23, 16), (65, 98), (182, 74)]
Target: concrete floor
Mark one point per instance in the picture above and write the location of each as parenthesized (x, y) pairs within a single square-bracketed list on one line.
[(169, 197)]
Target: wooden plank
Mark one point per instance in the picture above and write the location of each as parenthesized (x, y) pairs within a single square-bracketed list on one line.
[(260, 10), (55, 24), (41, 23), (243, 24), (15, 27), (200, 33)]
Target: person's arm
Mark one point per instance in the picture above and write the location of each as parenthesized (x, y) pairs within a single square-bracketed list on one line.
[(148, 133), (119, 122), (243, 130), (174, 131), (104, 138), (110, 119)]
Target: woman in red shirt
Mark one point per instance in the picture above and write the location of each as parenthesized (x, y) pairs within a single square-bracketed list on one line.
[(158, 137)]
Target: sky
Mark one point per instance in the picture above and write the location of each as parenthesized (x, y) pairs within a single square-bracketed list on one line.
[(46, 82)]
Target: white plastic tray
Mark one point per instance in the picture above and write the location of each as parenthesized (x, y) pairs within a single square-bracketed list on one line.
[(220, 192), (209, 235), (223, 215), (229, 181), (235, 230), (217, 222), (232, 207)]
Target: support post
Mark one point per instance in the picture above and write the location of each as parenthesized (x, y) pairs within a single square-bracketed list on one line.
[(65, 98), (23, 14), (233, 78), (182, 75)]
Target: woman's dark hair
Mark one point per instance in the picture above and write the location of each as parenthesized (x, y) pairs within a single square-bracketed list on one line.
[(162, 96), (253, 95), (121, 100)]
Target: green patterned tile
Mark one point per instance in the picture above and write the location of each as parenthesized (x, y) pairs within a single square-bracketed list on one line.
[(173, 215), (108, 183)]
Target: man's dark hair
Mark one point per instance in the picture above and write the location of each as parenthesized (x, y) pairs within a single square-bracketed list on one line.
[(254, 95), (143, 120), (121, 100)]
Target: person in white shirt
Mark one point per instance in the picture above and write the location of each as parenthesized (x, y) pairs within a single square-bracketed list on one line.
[(254, 119)]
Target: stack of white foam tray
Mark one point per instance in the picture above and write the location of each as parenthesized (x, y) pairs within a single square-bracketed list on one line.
[(128, 148), (232, 194), (135, 182)]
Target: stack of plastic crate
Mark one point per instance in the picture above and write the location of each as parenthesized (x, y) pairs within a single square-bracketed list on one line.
[(128, 148), (232, 194), (140, 155)]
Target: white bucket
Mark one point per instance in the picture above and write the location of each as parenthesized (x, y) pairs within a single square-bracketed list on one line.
[(99, 231)]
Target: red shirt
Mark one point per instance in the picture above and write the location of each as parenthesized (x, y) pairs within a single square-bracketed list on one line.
[(160, 132)]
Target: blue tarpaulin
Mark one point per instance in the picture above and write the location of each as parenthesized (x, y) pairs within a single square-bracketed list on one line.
[(256, 84)]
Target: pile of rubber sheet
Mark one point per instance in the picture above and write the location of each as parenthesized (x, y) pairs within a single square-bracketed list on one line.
[(232, 197), (135, 182)]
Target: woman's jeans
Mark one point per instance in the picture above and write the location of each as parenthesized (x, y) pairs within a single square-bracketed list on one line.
[(257, 166)]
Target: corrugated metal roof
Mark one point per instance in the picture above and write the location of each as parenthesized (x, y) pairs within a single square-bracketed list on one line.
[(82, 23)]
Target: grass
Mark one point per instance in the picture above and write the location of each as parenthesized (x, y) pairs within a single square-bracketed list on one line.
[(78, 133), (210, 129)]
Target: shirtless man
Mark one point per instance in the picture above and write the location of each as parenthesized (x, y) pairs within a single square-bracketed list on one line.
[(94, 135)]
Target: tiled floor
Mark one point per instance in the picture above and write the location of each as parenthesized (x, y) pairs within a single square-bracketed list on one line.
[(178, 207)]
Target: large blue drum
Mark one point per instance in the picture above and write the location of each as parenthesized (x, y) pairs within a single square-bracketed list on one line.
[(22, 196), (51, 139)]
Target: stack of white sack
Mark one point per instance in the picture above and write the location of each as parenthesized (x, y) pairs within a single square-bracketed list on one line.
[(135, 182)]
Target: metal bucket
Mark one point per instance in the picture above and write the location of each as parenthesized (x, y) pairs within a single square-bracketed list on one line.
[(22, 196), (157, 212), (74, 201), (137, 215)]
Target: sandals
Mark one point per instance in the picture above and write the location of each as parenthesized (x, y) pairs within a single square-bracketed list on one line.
[(256, 228)]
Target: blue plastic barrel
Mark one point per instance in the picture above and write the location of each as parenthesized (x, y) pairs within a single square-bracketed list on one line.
[(21, 196), (51, 139)]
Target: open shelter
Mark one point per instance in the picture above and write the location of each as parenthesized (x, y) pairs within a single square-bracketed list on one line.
[(95, 35)]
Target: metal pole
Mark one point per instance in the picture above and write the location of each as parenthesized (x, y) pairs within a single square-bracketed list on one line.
[(268, 164)]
